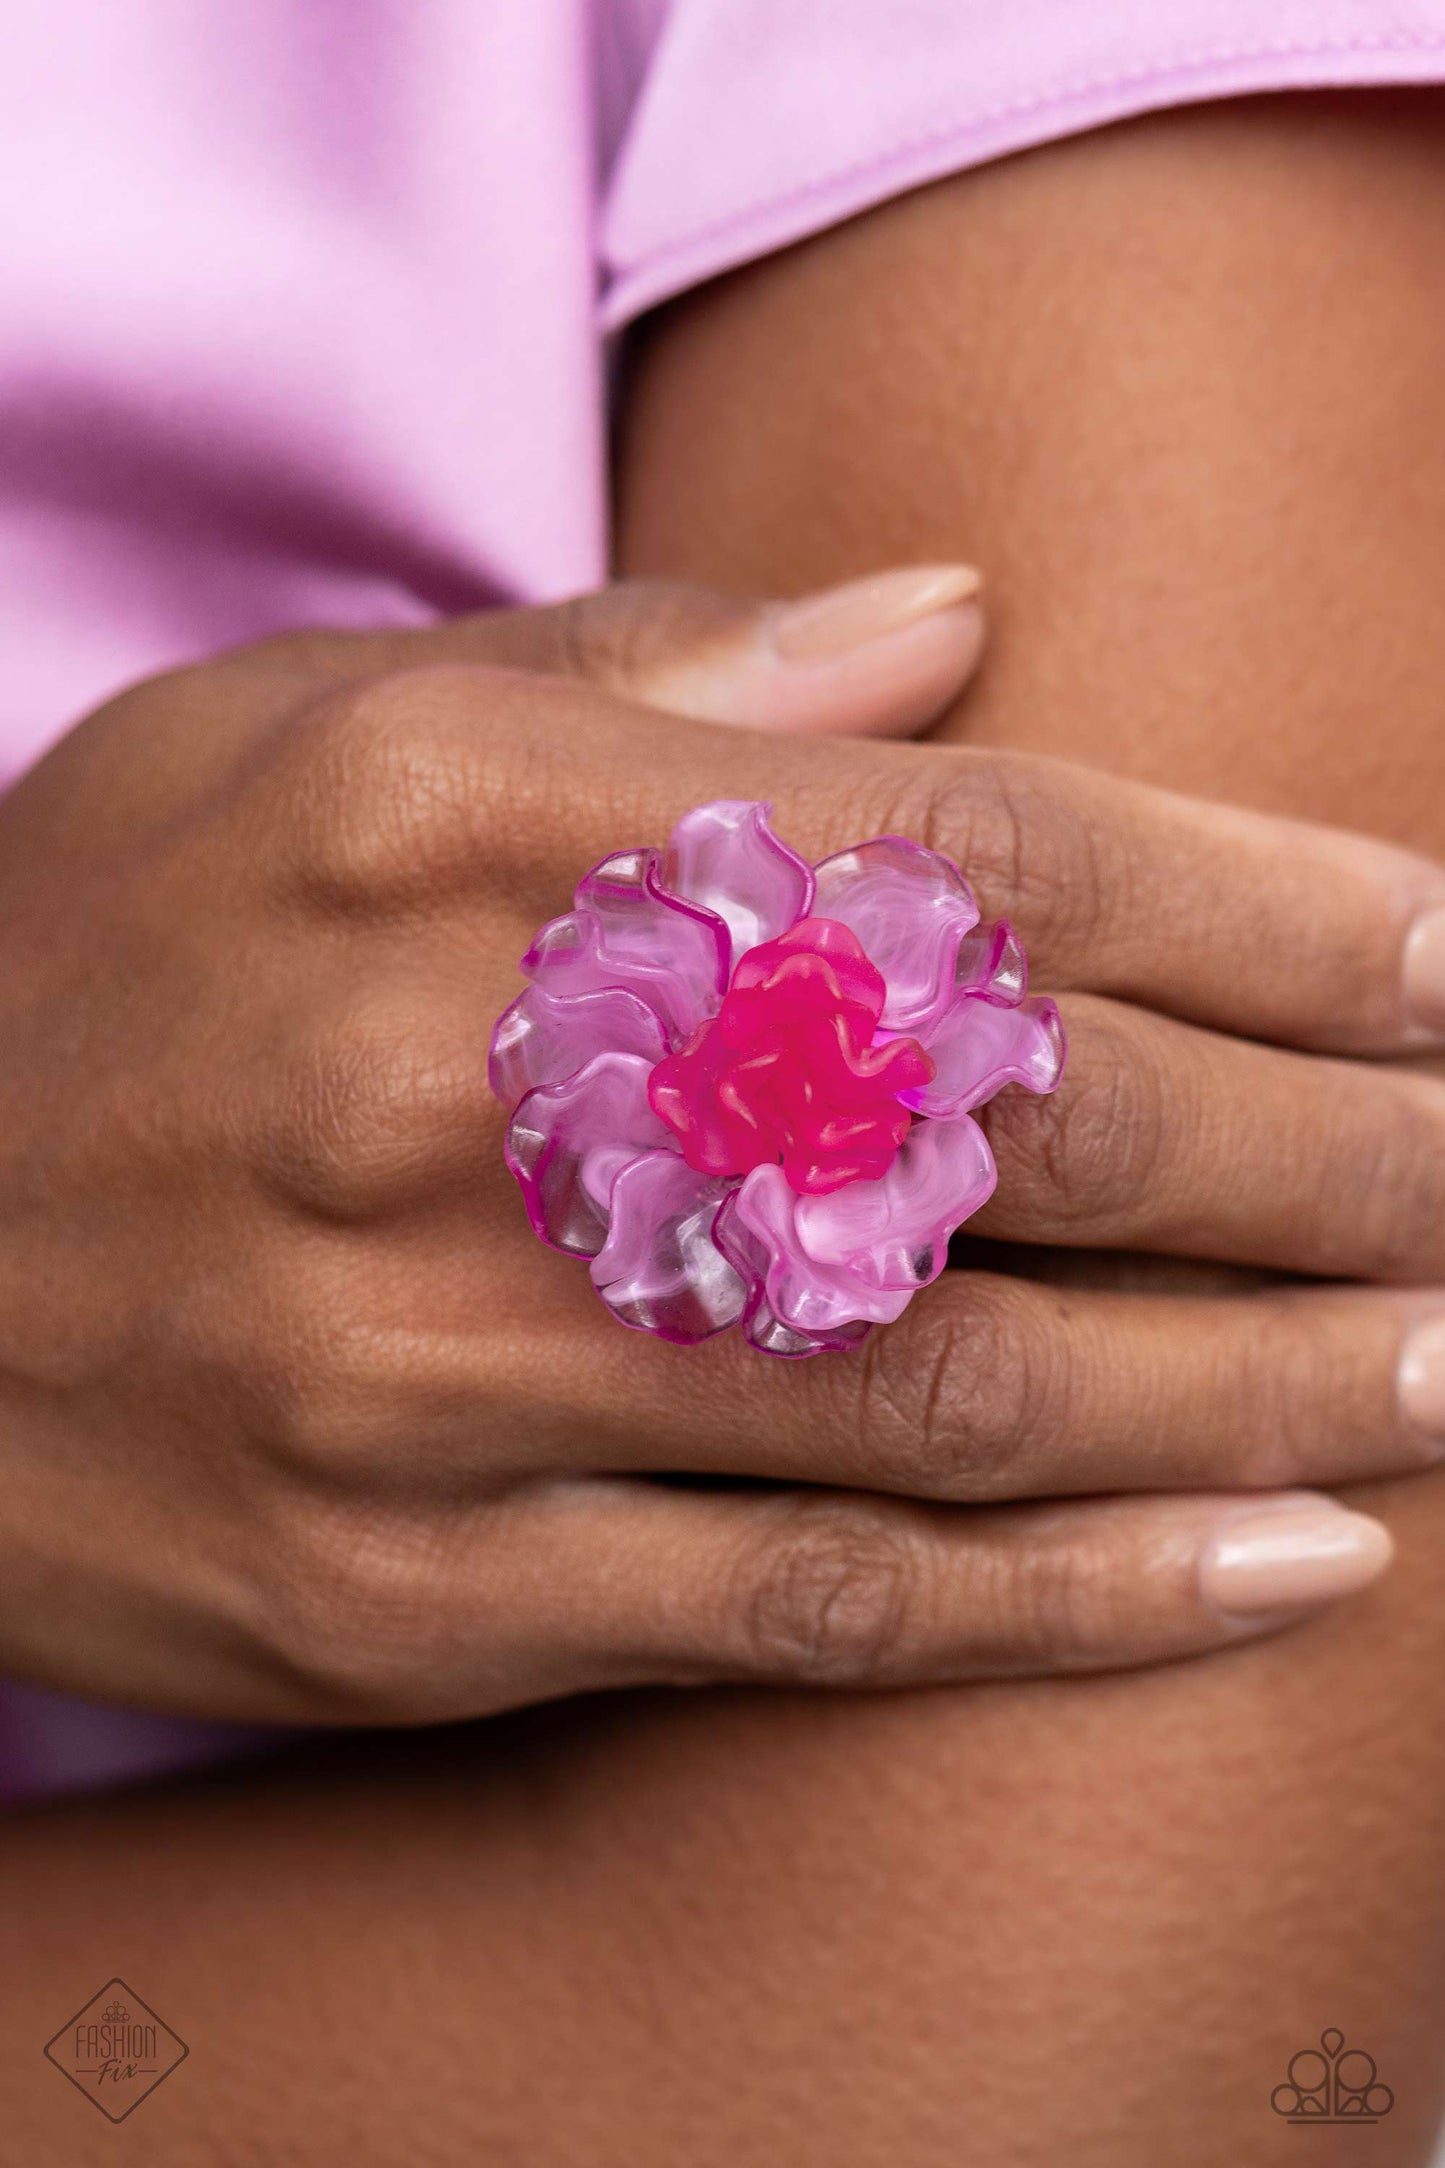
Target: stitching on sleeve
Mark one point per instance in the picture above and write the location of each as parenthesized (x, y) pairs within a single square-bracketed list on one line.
[(1175, 65)]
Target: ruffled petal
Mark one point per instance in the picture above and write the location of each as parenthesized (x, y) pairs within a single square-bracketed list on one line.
[(765, 1330), (726, 858), (893, 1233), (660, 1269), (980, 1046), (991, 961), (911, 909), (823, 1265), (628, 930), (543, 1038), (568, 1143)]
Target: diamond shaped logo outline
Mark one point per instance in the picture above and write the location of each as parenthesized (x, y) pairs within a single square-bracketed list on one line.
[(162, 2029)]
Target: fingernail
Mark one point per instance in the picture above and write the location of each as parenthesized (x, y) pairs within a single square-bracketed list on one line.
[(1289, 1556), (1425, 974), (1422, 1381), (843, 618)]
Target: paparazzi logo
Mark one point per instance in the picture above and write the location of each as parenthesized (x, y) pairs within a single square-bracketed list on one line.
[(1332, 2084), (116, 2050)]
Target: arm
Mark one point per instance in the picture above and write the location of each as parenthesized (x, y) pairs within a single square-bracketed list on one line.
[(1177, 386), (1017, 1923)]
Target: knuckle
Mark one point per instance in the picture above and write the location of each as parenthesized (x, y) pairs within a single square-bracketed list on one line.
[(622, 636), (1022, 843), (1396, 1183), (314, 1383), (1050, 1606), (1084, 1158), (602, 638), (376, 1101), (1313, 1379), (1282, 1383), (360, 1611), (949, 1403), (387, 784), (830, 1597)]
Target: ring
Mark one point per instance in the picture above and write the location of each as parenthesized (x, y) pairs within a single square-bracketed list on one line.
[(742, 1086)]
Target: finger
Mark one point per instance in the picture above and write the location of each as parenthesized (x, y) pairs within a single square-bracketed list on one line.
[(991, 1388), (879, 657), (1162, 1137), (1276, 929), (630, 1584)]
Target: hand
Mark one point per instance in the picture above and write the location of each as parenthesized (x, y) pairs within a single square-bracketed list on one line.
[(298, 1421)]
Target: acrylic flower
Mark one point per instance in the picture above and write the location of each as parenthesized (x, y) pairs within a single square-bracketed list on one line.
[(742, 1086)]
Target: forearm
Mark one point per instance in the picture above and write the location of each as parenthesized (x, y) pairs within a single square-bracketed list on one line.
[(1018, 1924), (1173, 387)]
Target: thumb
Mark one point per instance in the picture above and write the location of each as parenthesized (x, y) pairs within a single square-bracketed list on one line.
[(879, 657)]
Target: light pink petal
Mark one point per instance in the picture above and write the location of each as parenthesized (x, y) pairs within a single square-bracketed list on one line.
[(860, 1253), (980, 1046), (911, 909), (726, 858), (794, 1292), (766, 1331), (770, 1336), (543, 1038), (628, 930), (893, 1233), (568, 1143), (660, 1269), (991, 961)]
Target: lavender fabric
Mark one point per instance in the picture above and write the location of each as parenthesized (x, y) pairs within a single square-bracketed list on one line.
[(304, 303)]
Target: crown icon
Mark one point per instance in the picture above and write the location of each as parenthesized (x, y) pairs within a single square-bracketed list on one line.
[(115, 2013), (1340, 2085)]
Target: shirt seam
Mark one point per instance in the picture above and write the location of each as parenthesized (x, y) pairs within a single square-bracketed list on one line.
[(1179, 65)]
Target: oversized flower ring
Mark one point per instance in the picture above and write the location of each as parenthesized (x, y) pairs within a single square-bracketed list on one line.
[(742, 1086)]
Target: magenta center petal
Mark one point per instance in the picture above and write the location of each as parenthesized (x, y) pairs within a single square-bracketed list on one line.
[(787, 1071)]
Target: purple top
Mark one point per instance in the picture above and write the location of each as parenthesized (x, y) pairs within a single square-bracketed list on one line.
[(303, 304)]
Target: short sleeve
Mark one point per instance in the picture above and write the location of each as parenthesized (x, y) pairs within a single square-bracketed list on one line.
[(758, 122)]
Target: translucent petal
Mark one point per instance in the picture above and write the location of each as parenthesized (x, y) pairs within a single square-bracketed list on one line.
[(770, 1336), (911, 909), (543, 1038), (725, 857), (568, 1143), (761, 1323), (660, 1269), (893, 1233), (859, 1254), (991, 961), (628, 930), (980, 1046)]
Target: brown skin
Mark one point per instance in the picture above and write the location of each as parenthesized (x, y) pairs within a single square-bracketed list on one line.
[(1087, 1920), (300, 1422)]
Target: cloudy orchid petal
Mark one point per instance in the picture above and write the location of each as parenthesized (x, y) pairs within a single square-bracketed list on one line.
[(990, 961), (726, 858), (568, 1142), (863, 1251), (628, 930), (980, 1046), (911, 909), (544, 1038), (660, 1269)]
